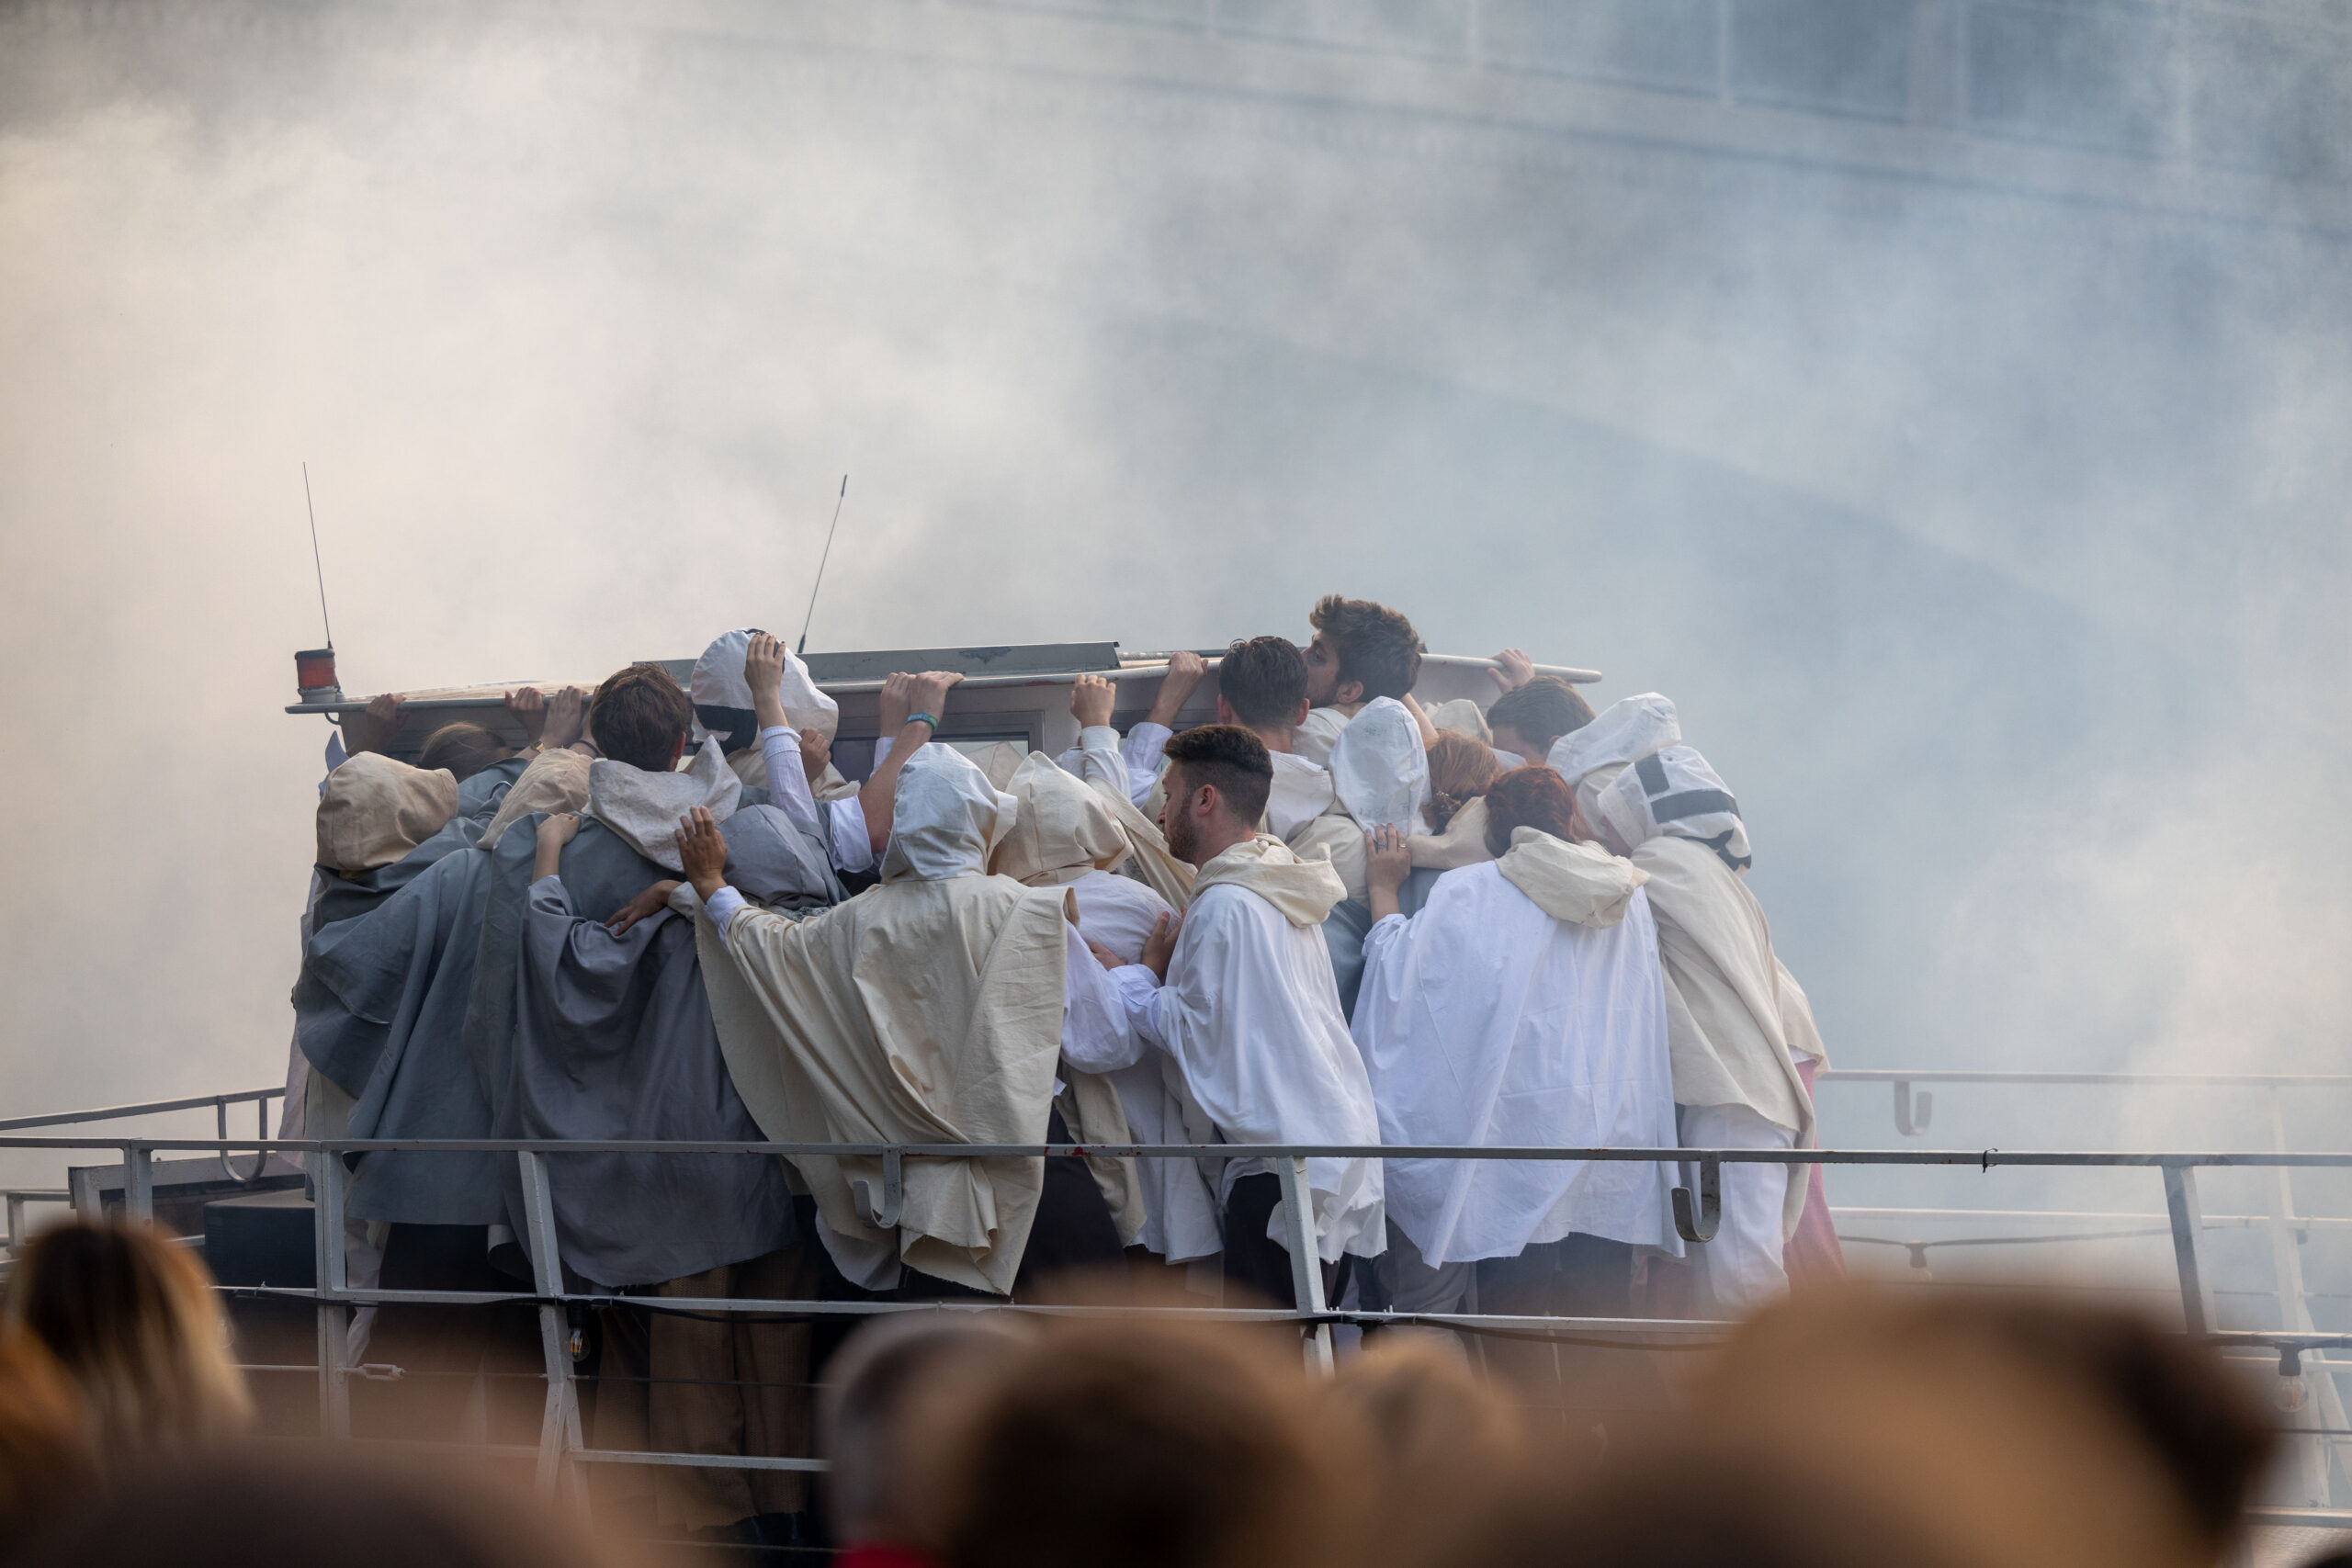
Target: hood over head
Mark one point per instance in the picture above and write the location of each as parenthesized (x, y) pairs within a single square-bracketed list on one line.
[(1674, 793), (1062, 831), (556, 781), (644, 808), (1628, 729), (717, 685), (945, 820), (1579, 883), (374, 810), (774, 864), (1380, 772)]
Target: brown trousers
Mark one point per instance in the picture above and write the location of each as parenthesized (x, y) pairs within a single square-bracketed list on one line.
[(729, 1387)]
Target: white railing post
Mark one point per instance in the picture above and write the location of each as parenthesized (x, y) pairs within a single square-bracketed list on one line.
[(138, 1182), (2295, 1316), (2187, 1224), (560, 1436), (1305, 1263), (330, 1278)]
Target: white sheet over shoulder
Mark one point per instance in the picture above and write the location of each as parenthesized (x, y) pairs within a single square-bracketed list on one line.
[(1483, 1020)]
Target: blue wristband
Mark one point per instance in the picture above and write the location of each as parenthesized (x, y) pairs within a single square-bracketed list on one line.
[(930, 718)]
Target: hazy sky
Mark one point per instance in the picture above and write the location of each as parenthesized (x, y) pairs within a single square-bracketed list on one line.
[(1993, 548)]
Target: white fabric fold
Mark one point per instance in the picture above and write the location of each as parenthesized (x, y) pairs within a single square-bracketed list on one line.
[(1483, 1020), (1380, 770), (717, 681), (1674, 793), (373, 810), (1576, 883)]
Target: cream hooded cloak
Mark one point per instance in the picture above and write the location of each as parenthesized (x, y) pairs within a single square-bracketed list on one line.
[(928, 1009)]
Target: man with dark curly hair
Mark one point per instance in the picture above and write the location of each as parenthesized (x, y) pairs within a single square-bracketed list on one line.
[(1360, 651)]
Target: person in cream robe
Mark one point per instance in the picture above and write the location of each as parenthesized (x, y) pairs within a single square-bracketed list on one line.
[(936, 1008), (1735, 1077)]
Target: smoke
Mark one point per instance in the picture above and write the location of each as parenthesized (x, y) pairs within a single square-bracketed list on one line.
[(1989, 534)]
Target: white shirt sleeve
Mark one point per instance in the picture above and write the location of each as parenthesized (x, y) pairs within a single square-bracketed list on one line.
[(1138, 990), (1142, 754), (722, 906), (851, 850), (1096, 1037), (787, 781)]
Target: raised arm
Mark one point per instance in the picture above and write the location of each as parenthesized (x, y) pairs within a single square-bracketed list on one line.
[(913, 701)]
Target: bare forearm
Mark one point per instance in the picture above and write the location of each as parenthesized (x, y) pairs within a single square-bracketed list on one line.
[(1384, 903), (881, 786)]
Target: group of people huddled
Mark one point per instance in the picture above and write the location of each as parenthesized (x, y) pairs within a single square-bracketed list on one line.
[(1330, 918)]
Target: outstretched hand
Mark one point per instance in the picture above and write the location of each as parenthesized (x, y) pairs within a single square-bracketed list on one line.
[(644, 906), (372, 725), (567, 719), (529, 708), (1160, 945), (1387, 860), (1512, 669), (1186, 670), (1091, 699), (702, 852)]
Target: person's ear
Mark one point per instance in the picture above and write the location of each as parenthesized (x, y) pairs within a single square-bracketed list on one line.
[(1347, 692), (1225, 710), (1305, 707), (678, 750)]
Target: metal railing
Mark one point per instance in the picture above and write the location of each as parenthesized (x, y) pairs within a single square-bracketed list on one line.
[(1696, 1202)]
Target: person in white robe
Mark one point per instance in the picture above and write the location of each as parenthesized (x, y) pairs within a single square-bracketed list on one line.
[(1523, 1005), (1380, 778), (1728, 1020), (1360, 650), (1240, 993), (828, 1041), (1065, 836)]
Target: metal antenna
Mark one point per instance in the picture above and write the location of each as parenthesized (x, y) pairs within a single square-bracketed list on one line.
[(820, 568), (321, 571)]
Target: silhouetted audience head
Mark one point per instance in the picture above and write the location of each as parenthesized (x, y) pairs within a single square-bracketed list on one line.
[(464, 749), (252, 1508), (890, 1399), (45, 1452), (1149, 1446), (1442, 1445), (1846, 1427), (130, 1317), (1461, 768), (641, 716), (1533, 796)]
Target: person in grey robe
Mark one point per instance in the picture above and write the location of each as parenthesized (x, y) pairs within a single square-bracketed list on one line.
[(611, 1038)]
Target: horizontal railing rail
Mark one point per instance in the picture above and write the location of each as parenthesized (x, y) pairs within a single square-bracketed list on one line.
[(1696, 1203)]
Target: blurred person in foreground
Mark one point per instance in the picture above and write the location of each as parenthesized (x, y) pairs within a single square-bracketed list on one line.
[(1442, 1445), (1149, 1445), (289, 1509), (130, 1317), (1848, 1428), (891, 1398), (45, 1453)]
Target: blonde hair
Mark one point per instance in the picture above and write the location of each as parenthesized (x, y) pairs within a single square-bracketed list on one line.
[(130, 1317), (44, 1444), (1462, 767)]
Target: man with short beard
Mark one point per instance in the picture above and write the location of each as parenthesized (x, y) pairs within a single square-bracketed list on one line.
[(1360, 651), (1240, 993)]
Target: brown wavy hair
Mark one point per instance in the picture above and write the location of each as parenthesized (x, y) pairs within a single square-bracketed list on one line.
[(640, 716), (1532, 796), (1461, 768)]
